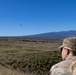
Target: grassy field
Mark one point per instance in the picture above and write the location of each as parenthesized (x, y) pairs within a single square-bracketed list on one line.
[(30, 56), (7, 71)]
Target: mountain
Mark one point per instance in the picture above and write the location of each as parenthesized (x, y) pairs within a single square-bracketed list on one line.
[(49, 35), (53, 35)]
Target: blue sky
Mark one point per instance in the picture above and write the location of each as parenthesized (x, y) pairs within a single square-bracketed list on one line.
[(28, 17)]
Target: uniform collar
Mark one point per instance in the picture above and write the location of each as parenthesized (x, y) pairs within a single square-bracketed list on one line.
[(69, 57)]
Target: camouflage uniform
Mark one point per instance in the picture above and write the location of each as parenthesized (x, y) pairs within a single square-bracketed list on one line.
[(63, 67), (73, 66)]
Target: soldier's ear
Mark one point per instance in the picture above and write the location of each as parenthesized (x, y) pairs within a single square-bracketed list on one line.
[(68, 51)]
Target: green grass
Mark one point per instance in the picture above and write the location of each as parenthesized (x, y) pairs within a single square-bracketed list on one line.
[(30, 56)]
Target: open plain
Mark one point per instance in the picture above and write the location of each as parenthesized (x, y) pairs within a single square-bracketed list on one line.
[(23, 56)]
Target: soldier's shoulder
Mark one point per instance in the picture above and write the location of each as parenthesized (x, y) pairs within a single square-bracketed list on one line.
[(55, 66), (74, 58), (59, 64), (67, 73)]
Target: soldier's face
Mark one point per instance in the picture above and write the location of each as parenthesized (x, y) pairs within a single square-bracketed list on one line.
[(64, 53)]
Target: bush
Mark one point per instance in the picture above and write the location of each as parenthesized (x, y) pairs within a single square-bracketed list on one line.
[(38, 63)]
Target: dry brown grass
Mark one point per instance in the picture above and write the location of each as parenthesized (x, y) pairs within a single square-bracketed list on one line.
[(28, 55), (7, 71), (24, 45)]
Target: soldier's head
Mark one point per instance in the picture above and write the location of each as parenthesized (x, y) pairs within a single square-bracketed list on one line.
[(73, 67), (68, 47)]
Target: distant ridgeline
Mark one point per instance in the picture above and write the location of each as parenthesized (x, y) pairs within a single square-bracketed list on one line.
[(49, 35), (53, 35)]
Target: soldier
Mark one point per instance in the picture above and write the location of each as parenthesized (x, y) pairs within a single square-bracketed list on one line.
[(68, 52)]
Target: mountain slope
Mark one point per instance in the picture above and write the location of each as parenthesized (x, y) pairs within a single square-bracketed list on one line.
[(54, 35)]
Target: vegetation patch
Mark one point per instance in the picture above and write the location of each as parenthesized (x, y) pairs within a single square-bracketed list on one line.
[(30, 58)]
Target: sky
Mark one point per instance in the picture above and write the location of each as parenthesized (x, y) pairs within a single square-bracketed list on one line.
[(29, 17)]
